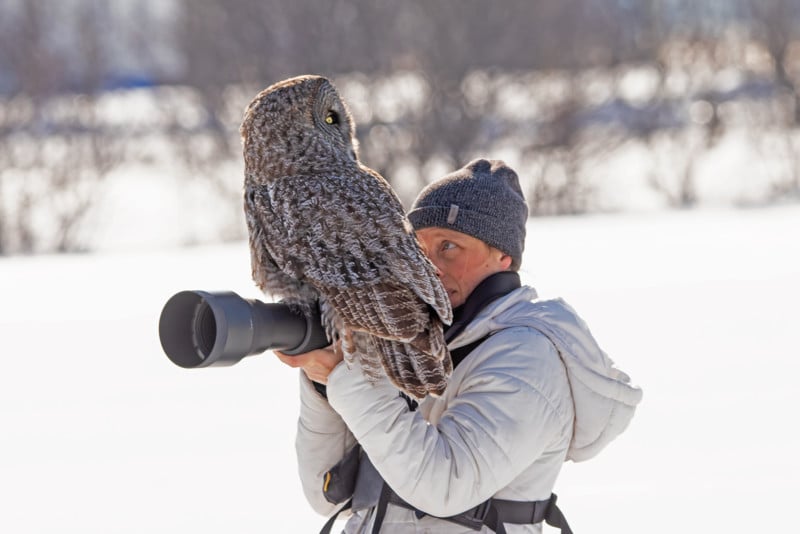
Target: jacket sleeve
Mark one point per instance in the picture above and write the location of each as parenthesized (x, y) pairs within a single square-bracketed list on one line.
[(322, 440), (507, 408)]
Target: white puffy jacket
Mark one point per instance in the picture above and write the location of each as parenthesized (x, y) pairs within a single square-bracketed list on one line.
[(537, 392)]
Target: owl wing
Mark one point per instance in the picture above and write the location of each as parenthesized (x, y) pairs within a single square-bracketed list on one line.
[(417, 271), (346, 236), (268, 254)]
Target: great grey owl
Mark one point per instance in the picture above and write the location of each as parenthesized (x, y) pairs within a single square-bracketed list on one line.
[(326, 229)]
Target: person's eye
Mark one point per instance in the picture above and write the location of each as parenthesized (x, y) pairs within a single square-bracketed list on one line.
[(448, 245)]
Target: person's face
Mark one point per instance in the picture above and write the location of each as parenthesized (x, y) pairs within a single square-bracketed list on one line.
[(462, 261)]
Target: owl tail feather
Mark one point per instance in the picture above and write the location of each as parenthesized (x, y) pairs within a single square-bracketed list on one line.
[(415, 371), (361, 347), (399, 367)]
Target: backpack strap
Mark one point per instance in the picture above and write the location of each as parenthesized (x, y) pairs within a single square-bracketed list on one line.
[(492, 513), (458, 355), (525, 513), (326, 529), (387, 496)]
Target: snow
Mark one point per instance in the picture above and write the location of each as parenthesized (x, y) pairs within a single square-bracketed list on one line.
[(100, 432)]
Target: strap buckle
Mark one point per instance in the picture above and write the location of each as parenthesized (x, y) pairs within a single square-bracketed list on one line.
[(480, 512), (474, 518)]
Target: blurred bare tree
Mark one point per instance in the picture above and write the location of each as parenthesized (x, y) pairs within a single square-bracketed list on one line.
[(558, 87), (53, 148), (443, 44), (58, 141), (776, 27)]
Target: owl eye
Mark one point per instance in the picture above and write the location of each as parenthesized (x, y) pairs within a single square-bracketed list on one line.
[(332, 118)]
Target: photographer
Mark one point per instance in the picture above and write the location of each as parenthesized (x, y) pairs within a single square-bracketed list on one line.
[(530, 389)]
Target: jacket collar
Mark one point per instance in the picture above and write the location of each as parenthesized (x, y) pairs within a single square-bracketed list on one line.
[(491, 288)]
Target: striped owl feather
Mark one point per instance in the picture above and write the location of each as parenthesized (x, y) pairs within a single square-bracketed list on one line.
[(326, 229)]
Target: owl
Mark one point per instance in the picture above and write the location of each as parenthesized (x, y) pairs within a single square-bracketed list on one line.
[(326, 230)]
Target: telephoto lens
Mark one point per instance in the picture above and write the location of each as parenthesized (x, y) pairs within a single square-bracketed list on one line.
[(203, 329)]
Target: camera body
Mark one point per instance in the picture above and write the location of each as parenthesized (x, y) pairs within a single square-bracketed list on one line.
[(203, 329)]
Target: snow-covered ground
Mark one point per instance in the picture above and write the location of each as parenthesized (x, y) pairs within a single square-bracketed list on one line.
[(100, 433)]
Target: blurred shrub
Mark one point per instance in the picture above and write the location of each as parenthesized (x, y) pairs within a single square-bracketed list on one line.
[(560, 89)]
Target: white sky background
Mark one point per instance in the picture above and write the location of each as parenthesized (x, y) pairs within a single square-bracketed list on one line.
[(100, 433)]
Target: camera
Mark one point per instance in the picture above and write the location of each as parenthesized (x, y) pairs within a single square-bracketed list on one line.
[(203, 329)]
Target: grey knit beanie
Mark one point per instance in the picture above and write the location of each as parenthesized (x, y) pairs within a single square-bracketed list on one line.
[(482, 199)]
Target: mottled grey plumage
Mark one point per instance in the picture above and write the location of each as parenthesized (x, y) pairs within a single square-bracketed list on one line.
[(325, 228)]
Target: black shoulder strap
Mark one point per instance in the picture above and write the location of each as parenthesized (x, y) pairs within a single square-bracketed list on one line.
[(326, 529), (458, 355), (380, 509)]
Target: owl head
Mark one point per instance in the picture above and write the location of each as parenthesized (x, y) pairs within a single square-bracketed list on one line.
[(298, 125)]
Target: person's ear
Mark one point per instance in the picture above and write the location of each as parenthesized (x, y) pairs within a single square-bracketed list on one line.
[(505, 261)]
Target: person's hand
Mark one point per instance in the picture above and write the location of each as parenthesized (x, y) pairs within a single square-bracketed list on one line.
[(316, 364)]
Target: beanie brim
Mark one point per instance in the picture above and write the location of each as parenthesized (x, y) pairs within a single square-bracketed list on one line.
[(472, 223)]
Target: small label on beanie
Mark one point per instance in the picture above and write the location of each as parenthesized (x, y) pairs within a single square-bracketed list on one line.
[(451, 217)]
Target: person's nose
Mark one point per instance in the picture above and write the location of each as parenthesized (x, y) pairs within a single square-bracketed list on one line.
[(438, 270)]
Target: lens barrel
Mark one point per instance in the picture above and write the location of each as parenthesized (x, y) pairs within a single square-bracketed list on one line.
[(203, 329)]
